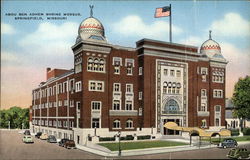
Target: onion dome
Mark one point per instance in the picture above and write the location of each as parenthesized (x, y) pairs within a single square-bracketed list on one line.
[(91, 29), (211, 48)]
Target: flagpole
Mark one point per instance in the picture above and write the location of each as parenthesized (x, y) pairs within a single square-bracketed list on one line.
[(170, 25)]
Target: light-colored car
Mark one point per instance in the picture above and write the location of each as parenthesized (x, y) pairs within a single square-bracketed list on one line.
[(44, 136), (28, 139)]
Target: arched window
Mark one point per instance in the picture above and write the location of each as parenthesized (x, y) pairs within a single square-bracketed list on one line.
[(165, 86), (96, 64), (116, 123), (90, 64), (129, 123), (172, 106), (102, 65)]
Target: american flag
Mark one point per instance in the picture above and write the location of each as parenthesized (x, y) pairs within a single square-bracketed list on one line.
[(162, 12)]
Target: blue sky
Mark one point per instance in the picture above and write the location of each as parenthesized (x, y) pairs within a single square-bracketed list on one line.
[(29, 46)]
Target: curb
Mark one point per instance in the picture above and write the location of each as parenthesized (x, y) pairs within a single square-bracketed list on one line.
[(137, 152)]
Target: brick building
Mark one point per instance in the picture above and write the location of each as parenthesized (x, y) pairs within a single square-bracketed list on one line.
[(133, 90)]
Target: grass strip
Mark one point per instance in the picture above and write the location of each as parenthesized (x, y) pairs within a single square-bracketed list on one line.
[(140, 145)]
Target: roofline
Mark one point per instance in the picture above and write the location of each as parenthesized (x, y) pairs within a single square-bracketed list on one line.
[(169, 43)]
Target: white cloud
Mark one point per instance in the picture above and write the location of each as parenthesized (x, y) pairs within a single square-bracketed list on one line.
[(7, 29), (232, 25), (133, 25), (51, 39), (238, 65)]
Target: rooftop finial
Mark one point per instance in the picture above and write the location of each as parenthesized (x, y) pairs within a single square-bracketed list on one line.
[(210, 37), (91, 10)]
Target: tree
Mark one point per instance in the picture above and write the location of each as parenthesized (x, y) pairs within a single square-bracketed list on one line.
[(18, 118), (241, 98)]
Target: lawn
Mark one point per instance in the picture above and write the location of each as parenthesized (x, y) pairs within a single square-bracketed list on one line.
[(140, 145), (238, 139)]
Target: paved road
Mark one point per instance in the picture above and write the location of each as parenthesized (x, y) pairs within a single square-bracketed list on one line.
[(12, 147)]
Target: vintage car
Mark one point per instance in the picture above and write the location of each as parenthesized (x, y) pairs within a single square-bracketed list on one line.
[(51, 139), (44, 136), (38, 134), (238, 153), (227, 143), (26, 132), (62, 142), (28, 139), (70, 144)]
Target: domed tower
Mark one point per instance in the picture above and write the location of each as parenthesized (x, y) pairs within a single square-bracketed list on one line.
[(91, 29), (211, 49)]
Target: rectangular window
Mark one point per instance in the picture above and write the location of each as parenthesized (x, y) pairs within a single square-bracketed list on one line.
[(59, 103), (117, 70), (129, 105), (178, 73), (99, 86), (116, 105), (165, 72), (129, 70), (217, 93), (140, 95), (65, 102), (203, 92), (129, 88), (140, 70), (78, 86), (71, 103), (203, 107), (95, 123), (217, 108), (96, 86), (65, 87), (117, 87), (172, 73), (96, 105)]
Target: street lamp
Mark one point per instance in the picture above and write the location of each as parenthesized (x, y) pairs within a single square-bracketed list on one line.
[(120, 151)]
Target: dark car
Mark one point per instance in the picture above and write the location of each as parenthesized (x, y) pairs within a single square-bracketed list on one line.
[(238, 153), (26, 132), (38, 134), (70, 144), (227, 143), (62, 142), (51, 139)]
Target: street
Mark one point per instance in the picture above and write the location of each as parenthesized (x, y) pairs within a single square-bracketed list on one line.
[(12, 147)]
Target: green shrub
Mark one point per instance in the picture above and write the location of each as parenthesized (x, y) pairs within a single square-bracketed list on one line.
[(235, 132), (128, 137), (106, 138), (246, 131), (143, 137)]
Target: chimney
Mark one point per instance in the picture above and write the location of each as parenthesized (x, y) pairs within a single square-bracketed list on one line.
[(47, 73)]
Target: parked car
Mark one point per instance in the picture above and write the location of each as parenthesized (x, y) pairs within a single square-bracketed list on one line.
[(70, 144), (38, 134), (26, 132), (51, 139), (28, 139), (44, 136), (238, 153), (62, 142), (228, 142)]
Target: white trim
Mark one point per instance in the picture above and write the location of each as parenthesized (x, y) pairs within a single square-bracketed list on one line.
[(53, 117)]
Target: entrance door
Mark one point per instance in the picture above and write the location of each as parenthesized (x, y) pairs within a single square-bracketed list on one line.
[(170, 131)]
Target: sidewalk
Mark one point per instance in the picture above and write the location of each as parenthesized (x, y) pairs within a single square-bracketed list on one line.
[(99, 150)]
